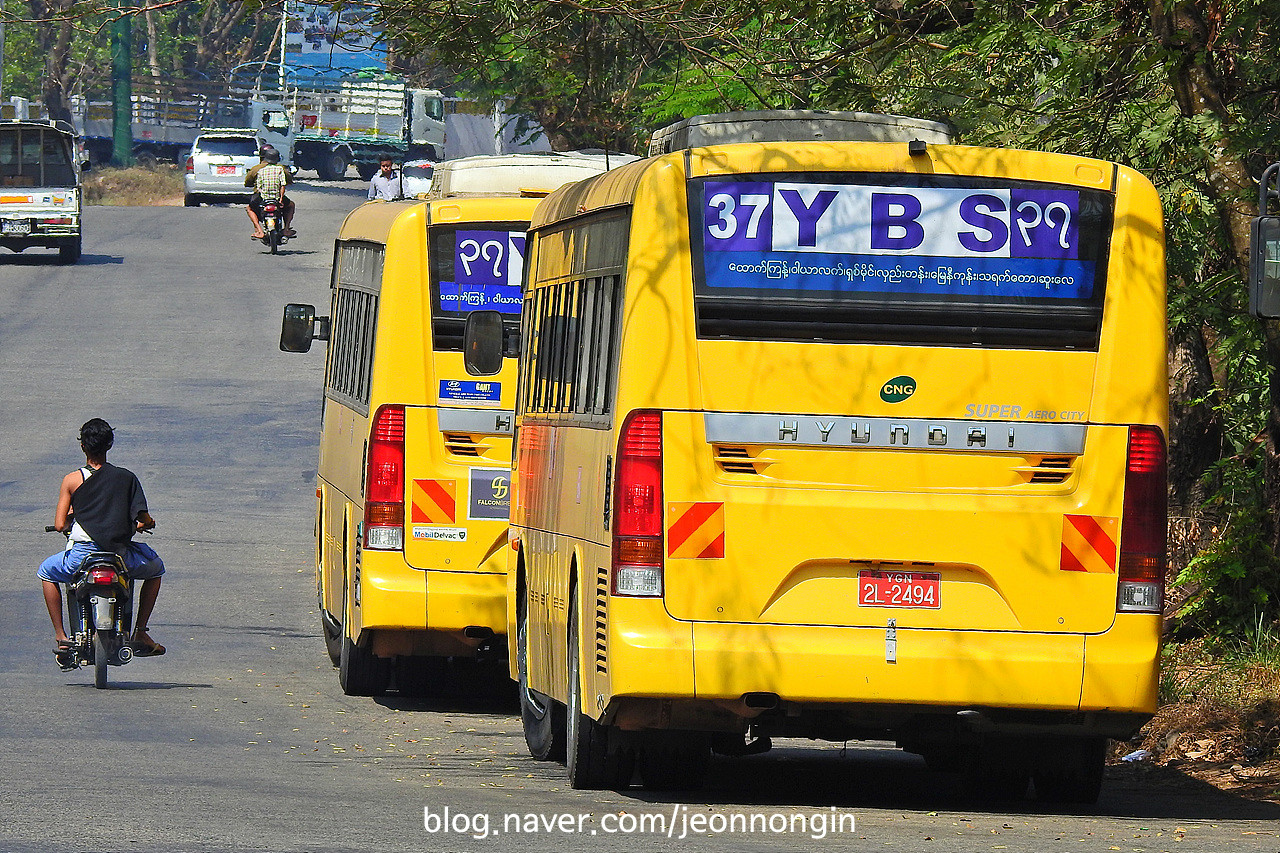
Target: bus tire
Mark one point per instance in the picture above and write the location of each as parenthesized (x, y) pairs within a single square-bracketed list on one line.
[(360, 672), (596, 757), (1071, 771), (542, 717), (674, 761)]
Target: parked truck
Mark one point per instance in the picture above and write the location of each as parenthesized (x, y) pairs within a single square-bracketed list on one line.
[(352, 120), (167, 116)]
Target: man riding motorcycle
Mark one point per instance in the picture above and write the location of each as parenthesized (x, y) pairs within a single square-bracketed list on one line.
[(268, 180), (101, 507)]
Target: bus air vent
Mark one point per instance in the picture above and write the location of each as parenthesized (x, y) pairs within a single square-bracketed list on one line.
[(602, 634), (460, 444), (735, 460), (1049, 469)]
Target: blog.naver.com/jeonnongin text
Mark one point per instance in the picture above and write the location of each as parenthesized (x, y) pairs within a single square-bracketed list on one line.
[(674, 824)]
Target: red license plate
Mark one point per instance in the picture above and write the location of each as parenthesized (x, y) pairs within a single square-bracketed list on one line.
[(226, 170), (921, 590)]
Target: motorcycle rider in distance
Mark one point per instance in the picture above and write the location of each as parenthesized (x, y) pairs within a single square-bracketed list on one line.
[(268, 180), (101, 507)]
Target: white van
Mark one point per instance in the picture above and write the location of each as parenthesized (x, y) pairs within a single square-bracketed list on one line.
[(40, 195)]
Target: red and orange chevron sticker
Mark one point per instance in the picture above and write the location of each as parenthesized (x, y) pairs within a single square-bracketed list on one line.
[(695, 531), (1089, 543), (434, 501)]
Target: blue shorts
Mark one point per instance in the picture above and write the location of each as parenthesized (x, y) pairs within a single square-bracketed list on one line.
[(142, 562)]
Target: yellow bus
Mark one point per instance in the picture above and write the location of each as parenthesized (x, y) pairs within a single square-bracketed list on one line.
[(836, 438), (413, 479)]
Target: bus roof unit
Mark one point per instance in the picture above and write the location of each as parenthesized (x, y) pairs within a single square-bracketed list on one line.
[(794, 126)]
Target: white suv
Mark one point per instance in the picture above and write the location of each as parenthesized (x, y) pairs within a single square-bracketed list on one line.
[(216, 167)]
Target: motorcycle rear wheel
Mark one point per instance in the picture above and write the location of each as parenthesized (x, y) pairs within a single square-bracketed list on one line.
[(99, 661)]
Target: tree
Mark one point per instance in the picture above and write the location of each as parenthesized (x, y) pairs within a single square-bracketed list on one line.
[(1185, 92), (58, 48)]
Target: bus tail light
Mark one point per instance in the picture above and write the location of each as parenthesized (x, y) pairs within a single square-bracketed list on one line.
[(384, 482), (1143, 530), (637, 536)]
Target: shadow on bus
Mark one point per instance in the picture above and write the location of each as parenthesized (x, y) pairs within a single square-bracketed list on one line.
[(875, 775)]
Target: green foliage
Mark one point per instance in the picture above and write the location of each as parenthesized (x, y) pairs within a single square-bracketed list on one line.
[(194, 38)]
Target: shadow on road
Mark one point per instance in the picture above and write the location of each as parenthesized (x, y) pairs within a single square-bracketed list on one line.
[(51, 259), (145, 685), (891, 779)]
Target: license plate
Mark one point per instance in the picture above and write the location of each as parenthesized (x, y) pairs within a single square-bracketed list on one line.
[(15, 226), (920, 590), (226, 170)]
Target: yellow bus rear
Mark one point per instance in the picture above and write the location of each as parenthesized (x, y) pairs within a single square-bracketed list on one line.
[(413, 480), (842, 440)]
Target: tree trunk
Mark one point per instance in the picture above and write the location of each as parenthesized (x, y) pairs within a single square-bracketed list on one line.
[(153, 44), (1195, 435)]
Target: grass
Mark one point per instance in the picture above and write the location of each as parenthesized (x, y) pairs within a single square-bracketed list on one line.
[(134, 186), (1219, 702)]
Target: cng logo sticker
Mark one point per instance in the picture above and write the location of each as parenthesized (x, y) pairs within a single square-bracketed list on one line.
[(897, 389)]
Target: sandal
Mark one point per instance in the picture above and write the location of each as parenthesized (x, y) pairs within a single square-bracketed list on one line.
[(143, 646), (64, 652), (291, 233)]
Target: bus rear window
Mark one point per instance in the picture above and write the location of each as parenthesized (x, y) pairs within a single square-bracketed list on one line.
[(908, 259), (475, 267)]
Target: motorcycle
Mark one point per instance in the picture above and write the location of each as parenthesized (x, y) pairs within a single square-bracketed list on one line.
[(99, 615), (274, 233)]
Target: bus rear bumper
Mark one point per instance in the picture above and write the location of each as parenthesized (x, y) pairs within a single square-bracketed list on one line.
[(822, 681), (406, 611)]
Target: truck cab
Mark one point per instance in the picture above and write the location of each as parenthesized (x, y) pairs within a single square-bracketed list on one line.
[(40, 198)]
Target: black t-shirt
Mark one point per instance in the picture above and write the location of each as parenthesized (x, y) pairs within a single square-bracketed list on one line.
[(107, 505)]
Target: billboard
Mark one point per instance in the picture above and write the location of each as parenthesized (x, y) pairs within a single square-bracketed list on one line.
[(318, 35)]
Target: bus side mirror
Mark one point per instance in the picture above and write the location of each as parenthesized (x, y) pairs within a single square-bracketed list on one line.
[(483, 343), (1264, 267), (300, 327)]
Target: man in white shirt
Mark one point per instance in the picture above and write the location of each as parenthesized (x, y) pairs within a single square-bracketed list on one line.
[(385, 184)]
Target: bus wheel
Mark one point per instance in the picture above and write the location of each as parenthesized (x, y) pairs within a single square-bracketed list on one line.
[(360, 671), (1071, 771), (541, 716), (597, 757), (674, 761)]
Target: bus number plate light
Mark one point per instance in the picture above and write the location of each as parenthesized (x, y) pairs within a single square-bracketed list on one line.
[(918, 590)]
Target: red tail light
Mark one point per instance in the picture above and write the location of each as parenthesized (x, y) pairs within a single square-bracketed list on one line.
[(1143, 530), (102, 576), (384, 482), (191, 165), (637, 535)]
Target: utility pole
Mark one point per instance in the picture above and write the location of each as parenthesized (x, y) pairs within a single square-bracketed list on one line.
[(121, 87)]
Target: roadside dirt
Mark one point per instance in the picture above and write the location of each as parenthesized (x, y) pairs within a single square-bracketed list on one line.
[(1237, 751)]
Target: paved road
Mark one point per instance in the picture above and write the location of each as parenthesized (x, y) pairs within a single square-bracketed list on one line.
[(239, 739)]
